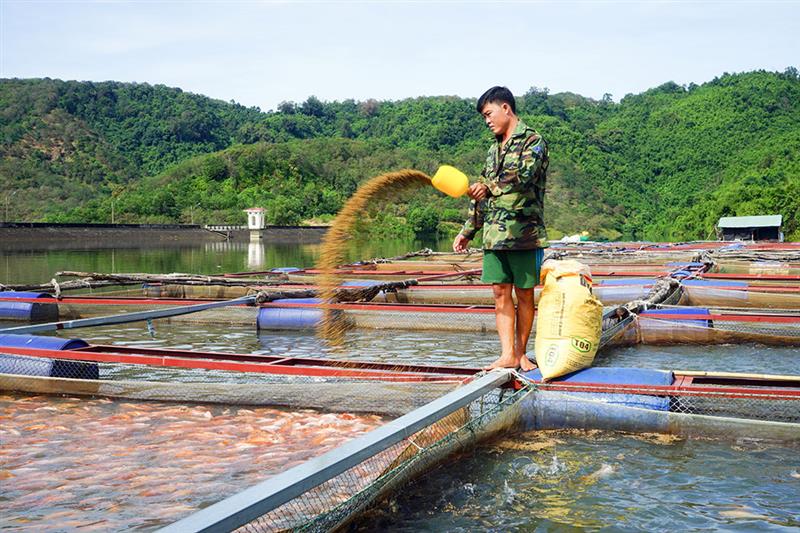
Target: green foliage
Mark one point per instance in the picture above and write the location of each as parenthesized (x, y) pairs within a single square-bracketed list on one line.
[(663, 164), (423, 219)]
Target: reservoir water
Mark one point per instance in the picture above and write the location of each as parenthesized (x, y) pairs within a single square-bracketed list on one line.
[(70, 464)]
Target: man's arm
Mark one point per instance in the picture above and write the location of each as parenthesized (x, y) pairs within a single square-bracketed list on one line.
[(471, 227)]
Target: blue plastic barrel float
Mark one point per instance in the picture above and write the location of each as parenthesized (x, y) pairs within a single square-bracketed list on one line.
[(365, 283), (40, 366), (306, 317), (685, 264), (714, 283), (678, 311), (360, 283), (556, 409), (27, 311)]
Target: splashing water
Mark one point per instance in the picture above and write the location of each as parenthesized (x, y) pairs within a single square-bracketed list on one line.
[(508, 493), (556, 467)]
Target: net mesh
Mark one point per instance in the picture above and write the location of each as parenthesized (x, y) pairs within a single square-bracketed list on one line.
[(455, 320), (187, 385), (651, 330), (233, 314), (751, 298), (339, 500), (762, 403), (767, 266), (342, 498), (605, 256), (332, 502), (774, 407)]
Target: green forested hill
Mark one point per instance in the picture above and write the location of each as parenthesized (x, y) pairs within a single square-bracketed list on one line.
[(684, 157), (664, 164), (63, 143)]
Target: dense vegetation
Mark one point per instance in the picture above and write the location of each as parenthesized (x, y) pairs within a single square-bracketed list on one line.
[(664, 164)]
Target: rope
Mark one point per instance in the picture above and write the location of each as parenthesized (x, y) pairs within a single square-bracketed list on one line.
[(424, 252), (57, 289)]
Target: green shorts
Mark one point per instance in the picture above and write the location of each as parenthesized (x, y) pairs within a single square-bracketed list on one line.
[(520, 267)]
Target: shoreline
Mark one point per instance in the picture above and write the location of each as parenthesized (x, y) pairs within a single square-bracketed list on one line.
[(18, 236)]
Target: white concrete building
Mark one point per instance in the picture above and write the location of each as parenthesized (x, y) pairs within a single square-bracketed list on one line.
[(255, 218)]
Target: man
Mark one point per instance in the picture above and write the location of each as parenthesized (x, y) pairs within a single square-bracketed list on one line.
[(508, 203)]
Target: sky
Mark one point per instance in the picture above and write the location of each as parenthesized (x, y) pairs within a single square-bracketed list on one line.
[(262, 53)]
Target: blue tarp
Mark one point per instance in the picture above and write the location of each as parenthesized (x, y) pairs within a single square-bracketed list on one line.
[(617, 376)]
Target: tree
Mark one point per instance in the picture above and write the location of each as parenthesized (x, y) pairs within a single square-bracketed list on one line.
[(313, 107)]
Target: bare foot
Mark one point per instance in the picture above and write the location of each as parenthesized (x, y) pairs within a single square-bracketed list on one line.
[(526, 363), (504, 361)]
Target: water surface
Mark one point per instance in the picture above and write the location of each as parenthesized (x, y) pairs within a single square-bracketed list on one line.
[(96, 464), (568, 481), (65, 447)]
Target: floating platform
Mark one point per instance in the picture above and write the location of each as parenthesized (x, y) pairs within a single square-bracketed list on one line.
[(628, 399), (689, 404)]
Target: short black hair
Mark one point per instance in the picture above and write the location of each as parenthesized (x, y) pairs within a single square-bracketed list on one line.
[(497, 94)]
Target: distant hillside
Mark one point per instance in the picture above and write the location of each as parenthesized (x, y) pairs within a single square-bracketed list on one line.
[(63, 143), (679, 158), (664, 164)]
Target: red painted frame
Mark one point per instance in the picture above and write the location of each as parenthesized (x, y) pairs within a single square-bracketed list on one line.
[(245, 363)]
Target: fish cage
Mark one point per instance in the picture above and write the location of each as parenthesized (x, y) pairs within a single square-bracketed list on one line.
[(618, 293), (429, 413), (50, 365), (699, 326), (689, 404), (438, 414), (739, 294), (332, 490)]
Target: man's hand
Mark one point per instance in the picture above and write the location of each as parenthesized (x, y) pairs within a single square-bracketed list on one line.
[(460, 244), (478, 191)]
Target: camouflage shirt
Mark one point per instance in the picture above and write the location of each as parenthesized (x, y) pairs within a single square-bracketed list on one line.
[(512, 214)]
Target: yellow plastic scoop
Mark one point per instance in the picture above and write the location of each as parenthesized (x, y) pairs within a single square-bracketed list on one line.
[(450, 181)]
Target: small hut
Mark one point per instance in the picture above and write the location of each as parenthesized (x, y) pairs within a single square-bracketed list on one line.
[(755, 228), (255, 218)]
